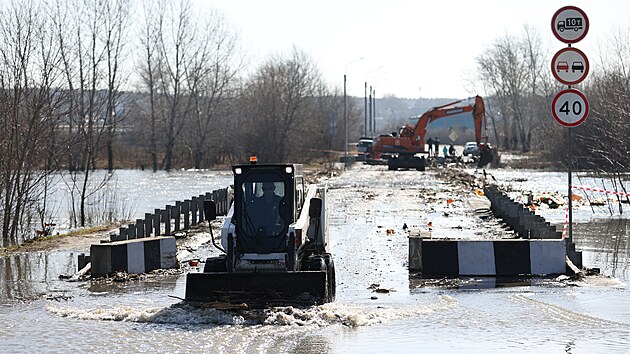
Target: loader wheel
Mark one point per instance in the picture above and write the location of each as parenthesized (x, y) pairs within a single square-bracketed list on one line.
[(313, 263), (332, 283)]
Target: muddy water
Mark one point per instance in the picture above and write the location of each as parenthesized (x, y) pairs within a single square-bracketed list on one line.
[(40, 313)]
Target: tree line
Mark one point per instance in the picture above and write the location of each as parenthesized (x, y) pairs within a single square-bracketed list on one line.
[(91, 84)]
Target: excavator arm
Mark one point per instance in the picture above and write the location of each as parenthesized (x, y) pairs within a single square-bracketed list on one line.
[(411, 138), (473, 104)]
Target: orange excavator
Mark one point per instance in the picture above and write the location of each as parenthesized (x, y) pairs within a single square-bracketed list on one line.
[(400, 149)]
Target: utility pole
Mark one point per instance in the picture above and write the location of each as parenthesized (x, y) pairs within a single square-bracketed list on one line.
[(365, 111), (345, 112), (371, 109)]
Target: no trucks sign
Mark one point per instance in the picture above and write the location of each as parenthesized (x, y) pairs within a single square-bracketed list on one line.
[(569, 24)]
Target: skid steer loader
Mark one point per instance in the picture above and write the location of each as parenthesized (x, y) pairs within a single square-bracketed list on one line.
[(274, 242)]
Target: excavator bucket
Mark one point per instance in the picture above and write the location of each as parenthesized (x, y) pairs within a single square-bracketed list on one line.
[(259, 290)]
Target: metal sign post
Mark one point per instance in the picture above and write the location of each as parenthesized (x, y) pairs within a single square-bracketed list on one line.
[(570, 66), (570, 193)]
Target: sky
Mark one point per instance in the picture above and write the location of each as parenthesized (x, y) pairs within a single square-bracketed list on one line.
[(410, 48)]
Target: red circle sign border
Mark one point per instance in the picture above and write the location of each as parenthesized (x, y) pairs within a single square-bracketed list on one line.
[(586, 66), (555, 31), (586, 110)]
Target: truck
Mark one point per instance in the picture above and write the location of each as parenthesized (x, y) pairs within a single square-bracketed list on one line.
[(364, 148), (401, 149), (574, 23), (274, 242)]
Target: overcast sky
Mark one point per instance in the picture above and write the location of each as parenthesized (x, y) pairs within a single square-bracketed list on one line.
[(410, 48)]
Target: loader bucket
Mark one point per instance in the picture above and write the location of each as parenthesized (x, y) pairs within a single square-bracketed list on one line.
[(259, 290)]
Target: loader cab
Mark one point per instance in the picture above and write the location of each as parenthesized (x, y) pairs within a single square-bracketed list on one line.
[(267, 199)]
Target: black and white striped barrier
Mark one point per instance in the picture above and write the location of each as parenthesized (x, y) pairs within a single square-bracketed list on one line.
[(509, 257), (134, 256)]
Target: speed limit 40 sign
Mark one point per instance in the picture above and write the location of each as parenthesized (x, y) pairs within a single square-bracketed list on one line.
[(570, 108)]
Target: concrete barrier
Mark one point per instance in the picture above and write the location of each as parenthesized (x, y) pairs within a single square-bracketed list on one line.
[(526, 223), (134, 256), (509, 257)]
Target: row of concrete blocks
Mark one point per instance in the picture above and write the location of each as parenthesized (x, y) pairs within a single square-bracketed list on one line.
[(522, 220), (174, 218), (526, 223)]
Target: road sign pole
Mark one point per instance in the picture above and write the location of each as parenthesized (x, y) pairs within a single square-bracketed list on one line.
[(570, 107), (570, 228)]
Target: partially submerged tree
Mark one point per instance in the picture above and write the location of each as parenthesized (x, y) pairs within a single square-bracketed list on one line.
[(90, 36), (29, 113)]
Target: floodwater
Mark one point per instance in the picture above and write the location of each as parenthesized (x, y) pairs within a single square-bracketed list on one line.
[(130, 194), (40, 313)]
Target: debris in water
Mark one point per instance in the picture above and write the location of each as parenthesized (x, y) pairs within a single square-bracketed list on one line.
[(382, 291), (225, 306)]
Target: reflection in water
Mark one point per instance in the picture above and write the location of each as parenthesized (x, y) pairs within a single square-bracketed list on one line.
[(130, 194), (605, 245), (148, 282), (27, 276), (418, 284)]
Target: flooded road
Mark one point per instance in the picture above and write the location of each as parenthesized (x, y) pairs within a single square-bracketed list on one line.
[(41, 313)]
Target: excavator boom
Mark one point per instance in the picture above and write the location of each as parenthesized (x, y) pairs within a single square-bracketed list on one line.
[(411, 138)]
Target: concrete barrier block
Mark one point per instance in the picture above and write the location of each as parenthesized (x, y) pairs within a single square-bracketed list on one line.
[(148, 224), (156, 222), (135, 257), (547, 256), (139, 228), (415, 253), (131, 232), (168, 253), (476, 258)]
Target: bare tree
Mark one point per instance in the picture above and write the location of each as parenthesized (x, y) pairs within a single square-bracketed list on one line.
[(176, 46), (210, 74), (115, 25), (29, 106), (149, 64), (80, 28), (511, 69), (282, 106)]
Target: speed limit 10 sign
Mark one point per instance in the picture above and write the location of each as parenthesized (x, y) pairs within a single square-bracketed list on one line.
[(570, 108)]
